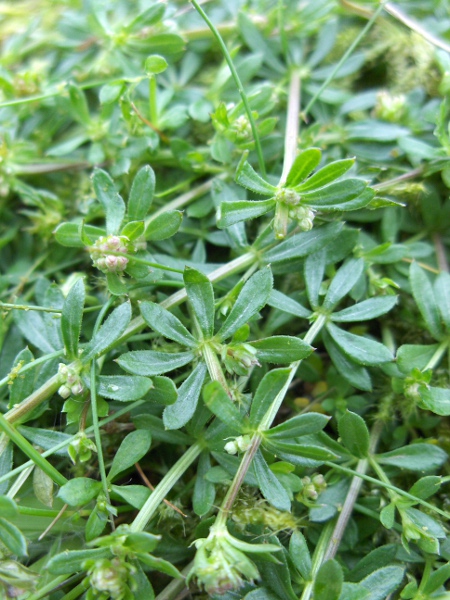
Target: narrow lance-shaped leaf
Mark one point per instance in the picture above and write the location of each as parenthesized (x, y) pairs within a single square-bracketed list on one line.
[(336, 193), (164, 225), (425, 299), (298, 426), (300, 555), (250, 300), (303, 165), (123, 388), (68, 234), (201, 297), (167, 324), (178, 414), (12, 538), (204, 491), (219, 403), (133, 447), (22, 385), (361, 349), (248, 178), (326, 175), (149, 362), (270, 487), (415, 457), (314, 270), (328, 581), (79, 491), (354, 434), (236, 211), (342, 282), (365, 310), (286, 304), (71, 318), (281, 349), (110, 199), (270, 386), (442, 293), (133, 230), (355, 374), (111, 330), (141, 194)]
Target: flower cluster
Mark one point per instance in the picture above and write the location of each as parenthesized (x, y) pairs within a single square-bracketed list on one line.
[(239, 444), (80, 448), (70, 381), (239, 358), (312, 487), (110, 579), (102, 249)]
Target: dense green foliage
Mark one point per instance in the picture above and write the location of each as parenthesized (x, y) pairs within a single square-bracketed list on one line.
[(225, 300)]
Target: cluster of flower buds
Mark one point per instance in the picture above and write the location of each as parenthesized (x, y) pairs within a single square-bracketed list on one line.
[(239, 444), (312, 487), (287, 196), (304, 217), (390, 107), (109, 579), (221, 564), (242, 128), (102, 257), (81, 448), (260, 512), (70, 379), (239, 358)]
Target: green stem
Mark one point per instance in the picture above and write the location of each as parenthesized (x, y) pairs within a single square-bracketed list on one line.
[(45, 591), (31, 452), (148, 263), (318, 559), (8, 306), (164, 487), (343, 59), (238, 83), (292, 125), (153, 95), (31, 365), (214, 367)]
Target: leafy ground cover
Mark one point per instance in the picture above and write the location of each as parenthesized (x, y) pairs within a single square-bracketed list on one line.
[(225, 300)]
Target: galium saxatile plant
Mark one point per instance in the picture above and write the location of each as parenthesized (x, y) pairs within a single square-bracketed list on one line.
[(225, 302)]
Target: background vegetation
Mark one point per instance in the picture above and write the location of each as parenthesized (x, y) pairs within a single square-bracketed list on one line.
[(225, 300)]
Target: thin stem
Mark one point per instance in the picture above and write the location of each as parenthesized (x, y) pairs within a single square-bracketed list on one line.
[(397, 12), (214, 367), (318, 559), (47, 589), (31, 452), (175, 586), (343, 59), (8, 306), (292, 125), (435, 359), (181, 201), (152, 100), (238, 83), (31, 365), (164, 487), (352, 495)]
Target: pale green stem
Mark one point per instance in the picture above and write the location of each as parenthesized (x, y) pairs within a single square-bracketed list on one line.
[(44, 591), (435, 359), (352, 495), (31, 365), (292, 125), (14, 489), (238, 83), (97, 435), (181, 201), (153, 105), (8, 306), (318, 559), (343, 59), (214, 367), (65, 443), (164, 487), (175, 586), (396, 12)]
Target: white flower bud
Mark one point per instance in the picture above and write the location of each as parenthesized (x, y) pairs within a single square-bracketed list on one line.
[(231, 448)]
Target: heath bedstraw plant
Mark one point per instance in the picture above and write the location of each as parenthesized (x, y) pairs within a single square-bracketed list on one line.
[(225, 300)]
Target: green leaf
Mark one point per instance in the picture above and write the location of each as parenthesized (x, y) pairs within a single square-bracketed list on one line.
[(135, 495), (111, 330), (314, 271), (201, 297), (252, 297), (288, 451), (328, 581), (78, 104), (23, 384), (148, 16), (361, 349), (354, 434), (437, 579), (178, 414), (299, 553), (268, 389), (286, 304), (235, 211), (415, 356), (344, 280), (68, 234), (133, 230), (160, 43), (353, 373), (246, 176), (79, 491), (164, 225), (12, 538), (270, 487), (43, 487), (141, 194), (442, 295), (335, 194), (415, 457), (116, 286), (204, 491), (167, 324), (122, 387), (425, 299), (163, 392), (326, 175), (281, 349), (149, 362), (8, 507), (437, 400), (159, 564), (219, 403), (298, 426), (303, 165), (133, 447), (72, 561), (365, 310), (383, 582), (72, 317), (304, 243), (155, 64), (257, 43), (425, 487), (112, 203), (32, 326)]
